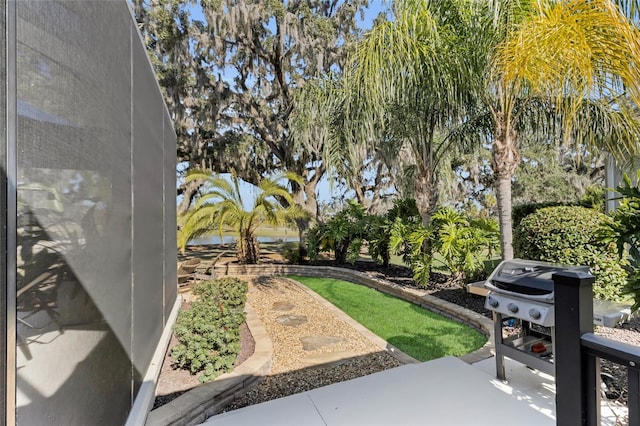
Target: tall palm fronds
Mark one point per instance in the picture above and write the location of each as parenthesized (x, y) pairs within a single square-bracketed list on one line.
[(221, 207), (574, 52), (412, 81), (575, 60)]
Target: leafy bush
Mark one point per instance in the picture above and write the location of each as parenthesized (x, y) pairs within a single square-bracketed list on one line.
[(523, 210), (377, 235), (294, 253), (343, 234), (463, 242), (567, 235), (380, 228), (408, 240), (624, 231), (209, 332), (405, 209)]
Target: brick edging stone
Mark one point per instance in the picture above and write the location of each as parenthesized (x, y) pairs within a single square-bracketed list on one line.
[(419, 297), (196, 405)]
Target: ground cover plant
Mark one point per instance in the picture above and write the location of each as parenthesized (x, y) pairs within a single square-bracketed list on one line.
[(414, 330), (209, 331)]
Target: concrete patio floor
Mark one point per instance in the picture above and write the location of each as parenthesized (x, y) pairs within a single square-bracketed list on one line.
[(444, 391)]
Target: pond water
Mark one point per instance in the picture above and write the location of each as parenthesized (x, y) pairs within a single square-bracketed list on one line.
[(231, 239)]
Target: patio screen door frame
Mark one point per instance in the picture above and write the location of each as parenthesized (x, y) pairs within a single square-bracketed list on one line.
[(8, 206)]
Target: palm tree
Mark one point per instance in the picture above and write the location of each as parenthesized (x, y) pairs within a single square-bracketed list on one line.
[(443, 70), (221, 207), (410, 88), (575, 60)]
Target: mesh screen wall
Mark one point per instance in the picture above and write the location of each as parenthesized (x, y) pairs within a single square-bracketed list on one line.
[(96, 213), (148, 226), (170, 243), (3, 209)]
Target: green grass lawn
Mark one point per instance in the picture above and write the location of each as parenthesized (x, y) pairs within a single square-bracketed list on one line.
[(416, 331)]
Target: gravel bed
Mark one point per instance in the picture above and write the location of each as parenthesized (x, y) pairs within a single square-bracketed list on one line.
[(289, 374)]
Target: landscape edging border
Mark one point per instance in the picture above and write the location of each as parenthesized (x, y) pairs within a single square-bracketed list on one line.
[(414, 295), (196, 405)]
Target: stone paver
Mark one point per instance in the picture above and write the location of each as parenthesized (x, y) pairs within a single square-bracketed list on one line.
[(292, 320), (283, 306), (310, 343), (328, 359)]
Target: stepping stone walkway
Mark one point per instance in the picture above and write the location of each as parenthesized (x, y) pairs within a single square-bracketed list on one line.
[(283, 306), (311, 343), (292, 320)]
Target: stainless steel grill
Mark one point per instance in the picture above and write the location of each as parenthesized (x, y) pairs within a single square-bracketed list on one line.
[(521, 298)]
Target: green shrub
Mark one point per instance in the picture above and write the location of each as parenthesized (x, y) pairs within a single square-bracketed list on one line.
[(294, 253), (379, 228), (409, 240), (521, 211), (209, 332), (343, 234), (567, 235), (464, 244), (624, 231)]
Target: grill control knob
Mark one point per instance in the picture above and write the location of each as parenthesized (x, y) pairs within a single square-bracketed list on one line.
[(493, 302), (534, 313), (512, 307)]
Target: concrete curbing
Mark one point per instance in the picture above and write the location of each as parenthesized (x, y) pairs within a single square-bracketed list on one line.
[(413, 295), (196, 405)]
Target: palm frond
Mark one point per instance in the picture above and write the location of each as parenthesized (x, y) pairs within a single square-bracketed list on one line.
[(221, 207), (575, 50)]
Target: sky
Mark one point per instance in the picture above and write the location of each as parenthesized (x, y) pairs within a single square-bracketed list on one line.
[(375, 7), (324, 189)]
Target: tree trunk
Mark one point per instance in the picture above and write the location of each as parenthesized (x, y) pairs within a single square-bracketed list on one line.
[(503, 194), (188, 192), (311, 201), (504, 161), (426, 194), (307, 199), (360, 197), (247, 248)]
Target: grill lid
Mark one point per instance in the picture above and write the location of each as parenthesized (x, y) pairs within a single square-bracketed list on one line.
[(527, 277)]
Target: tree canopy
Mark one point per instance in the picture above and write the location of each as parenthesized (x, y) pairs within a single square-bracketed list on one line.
[(231, 73), (256, 87)]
